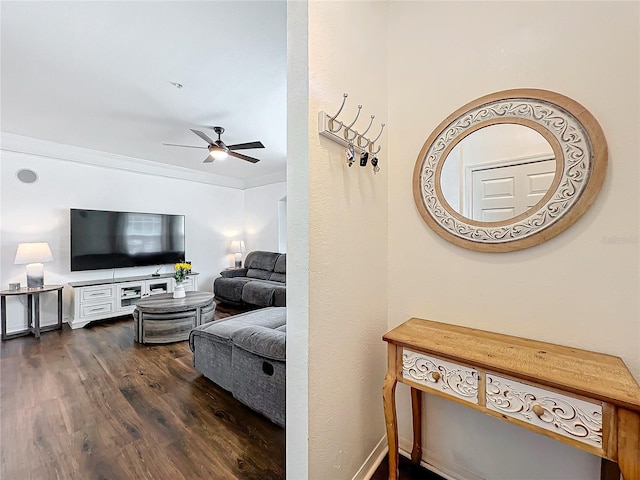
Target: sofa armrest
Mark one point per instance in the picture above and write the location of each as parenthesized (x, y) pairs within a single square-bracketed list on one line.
[(234, 272)]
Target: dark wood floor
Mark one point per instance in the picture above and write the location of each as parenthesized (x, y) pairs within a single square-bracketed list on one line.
[(92, 404), (406, 471)]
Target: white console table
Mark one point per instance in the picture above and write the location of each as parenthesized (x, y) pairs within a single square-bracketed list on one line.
[(584, 399), (107, 298)]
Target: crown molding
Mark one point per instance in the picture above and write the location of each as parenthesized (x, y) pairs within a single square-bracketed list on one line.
[(32, 146), (265, 180)]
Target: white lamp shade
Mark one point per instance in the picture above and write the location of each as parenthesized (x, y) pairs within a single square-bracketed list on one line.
[(33, 253), (237, 246)]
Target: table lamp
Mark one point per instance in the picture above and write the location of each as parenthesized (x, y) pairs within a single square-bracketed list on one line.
[(33, 254), (237, 247)]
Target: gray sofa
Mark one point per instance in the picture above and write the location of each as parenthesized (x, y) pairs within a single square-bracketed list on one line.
[(246, 355), (262, 282)]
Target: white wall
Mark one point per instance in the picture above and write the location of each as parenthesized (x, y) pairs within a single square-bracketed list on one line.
[(40, 212), (282, 224), (261, 206), (347, 242), (503, 143), (578, 289), (298, 241)]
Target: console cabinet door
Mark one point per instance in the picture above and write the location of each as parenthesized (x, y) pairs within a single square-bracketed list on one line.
[(158, 286), (128, 294)]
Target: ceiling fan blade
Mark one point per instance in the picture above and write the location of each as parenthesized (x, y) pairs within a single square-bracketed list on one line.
[(244, 157), (244, 146), (202, 136), (209, 159), (176, 145)]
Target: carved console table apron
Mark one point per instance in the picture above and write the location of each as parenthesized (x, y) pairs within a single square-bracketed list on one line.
[(584, 399)]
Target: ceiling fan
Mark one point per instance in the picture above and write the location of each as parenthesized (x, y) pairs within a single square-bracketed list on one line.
[(218, 150)]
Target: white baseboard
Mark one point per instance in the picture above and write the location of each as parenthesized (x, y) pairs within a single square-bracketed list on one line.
[(429, 461), (373, 461)]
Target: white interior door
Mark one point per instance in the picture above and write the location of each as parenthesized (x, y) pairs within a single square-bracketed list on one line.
[(502, 192)]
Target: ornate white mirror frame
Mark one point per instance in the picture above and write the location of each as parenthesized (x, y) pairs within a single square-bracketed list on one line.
[(581, 162)]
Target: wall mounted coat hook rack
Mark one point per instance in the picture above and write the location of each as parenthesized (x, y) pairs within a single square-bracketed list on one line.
[(329, 126)]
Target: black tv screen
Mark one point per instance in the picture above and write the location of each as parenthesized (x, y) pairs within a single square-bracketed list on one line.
[(103, 239)]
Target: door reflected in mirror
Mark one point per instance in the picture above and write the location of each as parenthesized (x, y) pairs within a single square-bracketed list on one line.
[(498, 172)]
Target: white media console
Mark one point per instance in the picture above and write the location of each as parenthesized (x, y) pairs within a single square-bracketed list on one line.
[(99, 299)]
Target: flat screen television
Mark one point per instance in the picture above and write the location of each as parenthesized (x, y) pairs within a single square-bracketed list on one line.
[(104, 239)]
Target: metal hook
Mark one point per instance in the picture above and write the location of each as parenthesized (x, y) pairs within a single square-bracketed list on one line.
[(330, 125), (376, 139), (344, 99), (362, 135), (377, 151), (346, 135), (346, 129), (355, 119), (332, 119)]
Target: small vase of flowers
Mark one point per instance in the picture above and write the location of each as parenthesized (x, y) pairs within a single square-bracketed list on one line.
[(181, 271)]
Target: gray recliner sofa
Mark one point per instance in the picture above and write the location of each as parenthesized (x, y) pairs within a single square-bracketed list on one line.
[(262, 282), (246, 355)]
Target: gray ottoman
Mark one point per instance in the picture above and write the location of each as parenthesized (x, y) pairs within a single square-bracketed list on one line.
[(246, 354)]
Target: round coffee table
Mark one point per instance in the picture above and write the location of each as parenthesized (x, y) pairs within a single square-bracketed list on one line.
[(164, 319)]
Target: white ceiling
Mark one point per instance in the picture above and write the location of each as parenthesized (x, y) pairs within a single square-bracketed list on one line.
[(98, 75)]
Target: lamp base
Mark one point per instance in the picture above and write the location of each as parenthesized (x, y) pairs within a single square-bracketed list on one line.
[(35, 275), (238, 260)]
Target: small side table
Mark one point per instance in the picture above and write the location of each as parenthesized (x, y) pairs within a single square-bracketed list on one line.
[(33, 310)]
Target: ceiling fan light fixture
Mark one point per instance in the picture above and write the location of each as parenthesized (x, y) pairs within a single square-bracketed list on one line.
[(218, 150), (218, 153)]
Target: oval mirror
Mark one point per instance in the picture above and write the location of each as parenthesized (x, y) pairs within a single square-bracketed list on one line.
[(510, 170)]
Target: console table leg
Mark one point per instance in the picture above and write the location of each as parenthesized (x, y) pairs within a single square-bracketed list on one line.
[(60, 308), (629, 444), (389, 402), (416, 407), (36, 315), (30, 324), (3, 313)]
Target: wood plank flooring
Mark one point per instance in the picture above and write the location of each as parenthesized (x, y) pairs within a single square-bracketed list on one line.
[(93, 404), (406, 471)]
